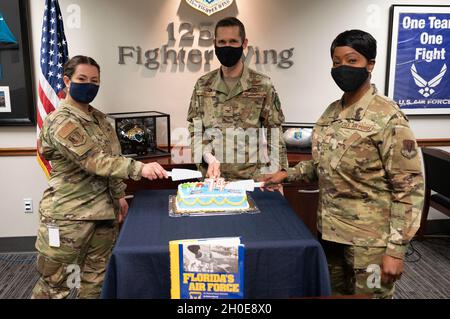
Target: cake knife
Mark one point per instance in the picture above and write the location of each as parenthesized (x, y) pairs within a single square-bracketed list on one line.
[(179, 174), (246, 185)]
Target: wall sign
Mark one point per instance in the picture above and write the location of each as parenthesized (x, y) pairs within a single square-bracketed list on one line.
[(179, 51), (418, 71), (209, 7)]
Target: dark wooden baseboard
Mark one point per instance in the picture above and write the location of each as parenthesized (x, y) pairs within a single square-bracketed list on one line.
[(18, 151), (438, 226), (17, 244), (433, 142)]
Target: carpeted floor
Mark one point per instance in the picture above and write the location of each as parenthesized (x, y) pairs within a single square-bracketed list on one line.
[(426, 276), (17, 275), (427, 270)]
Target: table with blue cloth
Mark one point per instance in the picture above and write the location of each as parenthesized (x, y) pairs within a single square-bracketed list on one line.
[(282, 258)]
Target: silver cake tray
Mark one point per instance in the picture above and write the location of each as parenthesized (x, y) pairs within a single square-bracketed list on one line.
[(173, 212)]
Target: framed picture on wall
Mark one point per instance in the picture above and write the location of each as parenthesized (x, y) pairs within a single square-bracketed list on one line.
[(16, 95), (5, 101), (418, 70)]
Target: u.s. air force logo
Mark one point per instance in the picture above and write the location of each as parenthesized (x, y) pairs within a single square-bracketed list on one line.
[(427, 88), (210, 7)]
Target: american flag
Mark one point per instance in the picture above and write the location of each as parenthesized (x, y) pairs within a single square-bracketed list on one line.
[(54, 54)]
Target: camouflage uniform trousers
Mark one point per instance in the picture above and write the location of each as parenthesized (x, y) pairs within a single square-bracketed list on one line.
[(83, 255), (348, 267)]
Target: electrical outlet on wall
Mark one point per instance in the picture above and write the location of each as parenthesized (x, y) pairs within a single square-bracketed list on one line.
[(28, 205)]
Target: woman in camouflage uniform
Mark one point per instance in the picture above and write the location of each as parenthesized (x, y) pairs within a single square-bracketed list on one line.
[(81, 209), (367, 164)]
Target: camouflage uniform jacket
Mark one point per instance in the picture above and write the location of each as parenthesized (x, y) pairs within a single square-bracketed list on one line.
[(369, 170), (87, 169), (252, 104)]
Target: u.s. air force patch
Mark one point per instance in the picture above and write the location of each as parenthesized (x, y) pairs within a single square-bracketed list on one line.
[(73, 137), (76, 138), (409, 149), (71, 133)]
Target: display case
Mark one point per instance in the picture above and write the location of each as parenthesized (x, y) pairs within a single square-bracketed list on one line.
[(298, 137), (142, 134)]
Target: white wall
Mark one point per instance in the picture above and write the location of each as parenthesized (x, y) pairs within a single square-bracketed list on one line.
[(305, 89)]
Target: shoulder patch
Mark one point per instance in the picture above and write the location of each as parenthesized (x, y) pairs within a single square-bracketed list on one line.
[(74, 138), (405, 151), (77, 138), (409, 149), (66, 130)]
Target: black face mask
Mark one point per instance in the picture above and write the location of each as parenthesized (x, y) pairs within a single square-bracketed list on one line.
[(349, 78), (229, 56)]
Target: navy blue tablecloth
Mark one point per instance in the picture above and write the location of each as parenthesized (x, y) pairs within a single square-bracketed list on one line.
[(282, 258)]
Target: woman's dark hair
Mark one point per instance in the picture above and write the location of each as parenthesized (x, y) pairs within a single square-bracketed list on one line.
[(231, 22), (359, 40), (71, 65)]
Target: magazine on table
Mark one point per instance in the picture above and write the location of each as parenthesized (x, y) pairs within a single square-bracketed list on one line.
[(209, 268)]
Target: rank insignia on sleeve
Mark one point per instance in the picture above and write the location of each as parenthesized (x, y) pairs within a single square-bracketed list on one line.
[(409, 149)]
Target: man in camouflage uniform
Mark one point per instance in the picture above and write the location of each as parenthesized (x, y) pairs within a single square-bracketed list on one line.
[(235, 101), (367, 163)]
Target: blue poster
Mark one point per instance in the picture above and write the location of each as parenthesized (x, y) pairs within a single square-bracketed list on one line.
[(422, 60)]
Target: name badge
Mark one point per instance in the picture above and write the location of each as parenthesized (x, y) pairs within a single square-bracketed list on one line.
[(53, 235), (358, 126)]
